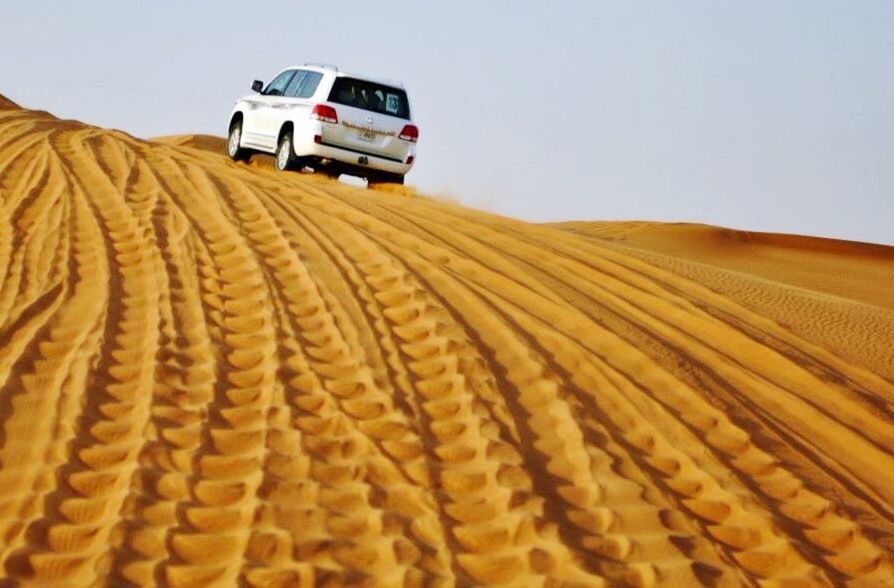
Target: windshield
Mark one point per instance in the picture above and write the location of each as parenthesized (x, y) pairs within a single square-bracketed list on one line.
[(370, 96)]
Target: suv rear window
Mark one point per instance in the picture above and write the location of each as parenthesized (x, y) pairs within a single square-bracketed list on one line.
[(370, 96)]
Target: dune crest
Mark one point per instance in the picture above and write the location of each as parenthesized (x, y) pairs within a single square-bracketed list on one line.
[(7, 104), (213, 374)]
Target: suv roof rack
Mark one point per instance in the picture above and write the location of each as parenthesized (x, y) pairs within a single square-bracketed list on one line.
[(323, 65)]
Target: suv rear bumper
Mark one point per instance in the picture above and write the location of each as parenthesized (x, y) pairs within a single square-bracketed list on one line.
[(352, 160)]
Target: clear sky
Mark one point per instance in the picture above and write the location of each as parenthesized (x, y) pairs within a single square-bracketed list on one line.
[(774, 116)]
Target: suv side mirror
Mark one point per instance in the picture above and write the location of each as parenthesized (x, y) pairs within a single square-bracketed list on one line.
[(257, 86)]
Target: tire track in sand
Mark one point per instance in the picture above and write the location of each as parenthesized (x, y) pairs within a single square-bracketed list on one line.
[(787, 495), (325, 361), (850, 552), (484, 491)]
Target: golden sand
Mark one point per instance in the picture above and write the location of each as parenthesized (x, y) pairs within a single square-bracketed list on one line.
[(213, 374), (838, 294)]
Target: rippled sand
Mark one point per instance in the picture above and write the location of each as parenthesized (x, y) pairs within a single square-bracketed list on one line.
[(215, 374)]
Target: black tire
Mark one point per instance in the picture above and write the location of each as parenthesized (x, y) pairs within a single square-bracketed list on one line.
[(384, 178), (234, 150), (285, 153)]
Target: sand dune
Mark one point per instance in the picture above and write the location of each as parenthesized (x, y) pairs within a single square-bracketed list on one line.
[(213, 374), (834, 293)]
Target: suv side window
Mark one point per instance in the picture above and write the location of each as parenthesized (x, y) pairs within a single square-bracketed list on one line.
[(294, 85), (279, 83), (304, 84), (309, 84)]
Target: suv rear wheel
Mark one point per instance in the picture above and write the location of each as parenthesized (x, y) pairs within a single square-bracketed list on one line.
[(285, 155), (236, 152)]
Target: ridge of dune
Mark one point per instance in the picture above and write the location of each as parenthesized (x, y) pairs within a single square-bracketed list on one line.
[(848, 269), (213, 374), (213, 145), (210, 143), (6, 103)]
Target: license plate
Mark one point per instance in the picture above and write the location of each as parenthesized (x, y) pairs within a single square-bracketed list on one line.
[(366, 136)]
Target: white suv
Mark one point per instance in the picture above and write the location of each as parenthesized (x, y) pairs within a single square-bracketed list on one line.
[(334, 122)]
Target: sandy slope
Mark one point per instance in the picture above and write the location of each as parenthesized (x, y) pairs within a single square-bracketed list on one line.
[(212, 373), (839, 294)]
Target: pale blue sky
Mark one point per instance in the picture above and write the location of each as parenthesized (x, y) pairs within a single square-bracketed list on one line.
[(775, 116)]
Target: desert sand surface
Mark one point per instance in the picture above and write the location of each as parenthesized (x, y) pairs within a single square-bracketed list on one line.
[(215, 145), (214, 374), (839, 294)]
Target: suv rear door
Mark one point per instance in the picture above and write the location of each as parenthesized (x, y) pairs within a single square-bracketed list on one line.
[(371, 117)]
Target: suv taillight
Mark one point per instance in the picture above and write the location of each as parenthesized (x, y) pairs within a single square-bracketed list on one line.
[(324, 113), (410, 133)]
